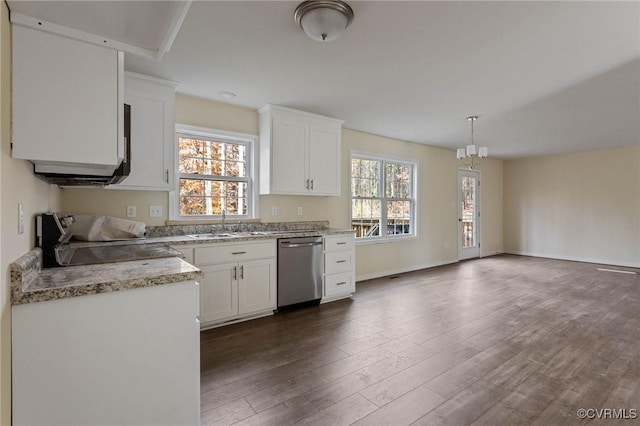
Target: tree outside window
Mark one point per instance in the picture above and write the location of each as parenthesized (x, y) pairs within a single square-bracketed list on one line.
[(382, 199), (214, 176)]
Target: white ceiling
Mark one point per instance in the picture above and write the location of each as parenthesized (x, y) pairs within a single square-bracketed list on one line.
[(544, 77), (142, 24)]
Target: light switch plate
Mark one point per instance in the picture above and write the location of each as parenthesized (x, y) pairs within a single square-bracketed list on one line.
[(155, 211), (274, 211), (299, 211), (131, 211), (20, 219)]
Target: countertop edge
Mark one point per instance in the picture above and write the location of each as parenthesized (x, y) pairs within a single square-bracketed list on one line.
[(26, 271)]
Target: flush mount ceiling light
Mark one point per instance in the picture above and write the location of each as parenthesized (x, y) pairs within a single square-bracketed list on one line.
[(469, 157), (323, 20), (225, 94)]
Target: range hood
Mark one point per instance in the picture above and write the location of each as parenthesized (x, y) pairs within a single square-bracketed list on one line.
[(64, 179), (74, 175)]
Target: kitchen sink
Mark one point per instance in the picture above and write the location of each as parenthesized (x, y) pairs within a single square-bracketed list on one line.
[(240, 234), (212, 235), (276, 232)]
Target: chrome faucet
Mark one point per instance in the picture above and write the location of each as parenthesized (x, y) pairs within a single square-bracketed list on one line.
[(239, 226), (224, 215)]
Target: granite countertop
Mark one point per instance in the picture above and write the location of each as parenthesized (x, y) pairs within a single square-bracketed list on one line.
[(239, 237), (30, 283), (246, 236)]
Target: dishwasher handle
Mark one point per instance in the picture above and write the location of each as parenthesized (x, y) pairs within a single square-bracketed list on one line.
[(286, 244)]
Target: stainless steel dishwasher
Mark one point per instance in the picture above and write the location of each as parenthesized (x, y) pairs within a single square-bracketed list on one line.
[(300, 267)]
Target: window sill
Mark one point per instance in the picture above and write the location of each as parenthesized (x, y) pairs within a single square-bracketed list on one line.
[(385, 240), (208, 221)]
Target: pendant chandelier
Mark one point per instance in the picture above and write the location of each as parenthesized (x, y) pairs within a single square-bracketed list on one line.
[(468, 156)]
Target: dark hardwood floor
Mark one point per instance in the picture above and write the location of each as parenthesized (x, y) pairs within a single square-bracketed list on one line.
[(503, 340)]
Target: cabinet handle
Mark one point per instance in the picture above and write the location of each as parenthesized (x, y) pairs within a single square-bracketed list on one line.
[(341, 261), (312, 184), (235, 273), (341, 244), (239, 252), (341, 283), (166, 175), (241, 272)]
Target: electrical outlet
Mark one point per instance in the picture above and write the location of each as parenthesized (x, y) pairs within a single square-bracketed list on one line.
[(131, 211), (155, 211), (299, 211), (274, 211), (20, 219)]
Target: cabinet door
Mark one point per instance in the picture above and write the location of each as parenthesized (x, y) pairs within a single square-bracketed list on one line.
[(125, 357), (288, 156), (257, 286), (218, 293), (152, 135), (65, 100), (324, 160)]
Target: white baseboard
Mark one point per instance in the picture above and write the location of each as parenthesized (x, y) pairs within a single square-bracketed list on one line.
[(249, 317), (493, 253), (403, 270), (334, 298), (576, 259)]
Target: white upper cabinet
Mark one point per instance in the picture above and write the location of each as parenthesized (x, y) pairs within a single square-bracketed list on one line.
[(300, 153), (67, 109), (152, 132)]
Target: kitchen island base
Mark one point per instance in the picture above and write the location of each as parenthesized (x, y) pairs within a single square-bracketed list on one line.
[(121, 358)]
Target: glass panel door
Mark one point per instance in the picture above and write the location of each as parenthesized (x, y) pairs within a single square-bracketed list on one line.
[(468, 214)]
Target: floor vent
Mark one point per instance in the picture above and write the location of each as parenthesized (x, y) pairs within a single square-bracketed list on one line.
[(617, 270)]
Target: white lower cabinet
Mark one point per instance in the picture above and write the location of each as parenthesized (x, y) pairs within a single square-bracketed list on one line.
[(339, 267), (129, 357), (219, 293), (256, 286), (234, 290), (339, 284)]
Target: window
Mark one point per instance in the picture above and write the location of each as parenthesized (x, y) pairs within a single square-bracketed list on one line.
[(382, 197), (214, 174)]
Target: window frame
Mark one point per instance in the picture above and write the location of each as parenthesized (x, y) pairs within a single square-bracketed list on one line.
[(250, 141), (384, 159)]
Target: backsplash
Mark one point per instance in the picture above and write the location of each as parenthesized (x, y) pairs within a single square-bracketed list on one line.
[(177, 230)]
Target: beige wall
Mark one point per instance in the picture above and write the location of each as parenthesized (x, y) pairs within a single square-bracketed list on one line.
[(491, 209), (437, 174), (114, 202), (583, 206), (17, 185)]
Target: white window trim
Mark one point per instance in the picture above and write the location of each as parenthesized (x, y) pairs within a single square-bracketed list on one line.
[(224, 136), (414, 221)]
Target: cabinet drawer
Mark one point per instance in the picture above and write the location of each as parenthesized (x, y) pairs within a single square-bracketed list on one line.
[(342, 242), (338, 284), (339, 261), (223, 252)]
